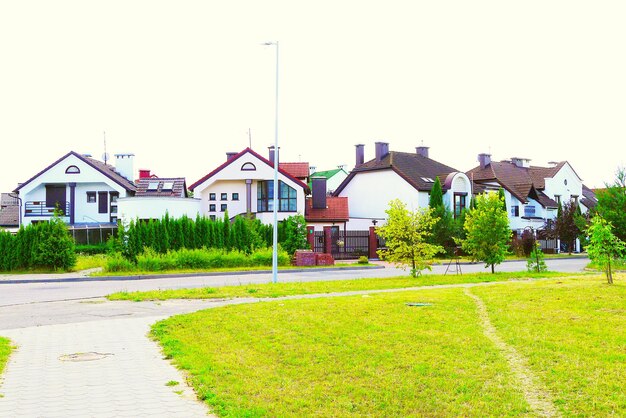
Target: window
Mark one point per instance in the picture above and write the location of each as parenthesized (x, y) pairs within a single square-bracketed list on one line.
[(223, 207), (574, 200), (91, 197), (212, 217), (114, 196), (529, 211), (212, 207), (460, 200), (515, 211), (72, 170), (153, 186), (211, 196), (235, 196), (103, 202), (557, 199), (287, 197), (248, 167), (223, 196)]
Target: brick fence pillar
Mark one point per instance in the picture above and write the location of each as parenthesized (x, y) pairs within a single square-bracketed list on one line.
[(328, 240), (310, 236), (373, 243)]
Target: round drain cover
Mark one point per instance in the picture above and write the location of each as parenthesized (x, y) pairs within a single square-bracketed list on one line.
[(90, 356)]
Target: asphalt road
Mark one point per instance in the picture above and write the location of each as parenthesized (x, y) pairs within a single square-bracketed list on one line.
[(26, 293)]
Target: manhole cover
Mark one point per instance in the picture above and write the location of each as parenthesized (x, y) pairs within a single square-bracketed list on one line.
[(418, 304), (91, 356)]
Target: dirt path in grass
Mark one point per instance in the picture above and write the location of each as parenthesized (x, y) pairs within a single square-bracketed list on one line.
[(539, 398)]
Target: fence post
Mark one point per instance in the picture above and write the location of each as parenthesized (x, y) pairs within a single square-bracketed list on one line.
[(310, 236), (372, 243), (328, 240)]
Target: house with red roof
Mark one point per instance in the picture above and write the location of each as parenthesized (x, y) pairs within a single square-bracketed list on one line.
[(244, 184), (372, 184)]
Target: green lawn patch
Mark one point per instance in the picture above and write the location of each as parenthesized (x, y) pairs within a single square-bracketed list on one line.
[(352, 356), (5, 350), (273, 290), (573, 332)]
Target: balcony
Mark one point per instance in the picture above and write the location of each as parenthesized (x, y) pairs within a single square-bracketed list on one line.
[(39, 208)]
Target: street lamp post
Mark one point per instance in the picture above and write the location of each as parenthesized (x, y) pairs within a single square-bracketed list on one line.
[(275, 197)]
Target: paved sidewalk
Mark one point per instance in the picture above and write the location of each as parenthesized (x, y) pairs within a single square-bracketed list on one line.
[(38, 383)]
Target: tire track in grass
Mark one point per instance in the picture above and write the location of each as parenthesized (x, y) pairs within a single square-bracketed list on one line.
[(539, 398)]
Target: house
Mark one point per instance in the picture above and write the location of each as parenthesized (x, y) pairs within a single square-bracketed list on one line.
[(334, 177), (409, 177), (155, 196), (244, 184), (9, 212), (532, 194), (84, 191)]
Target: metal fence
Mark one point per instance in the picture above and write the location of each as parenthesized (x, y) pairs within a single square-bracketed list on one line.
[(345, 244)]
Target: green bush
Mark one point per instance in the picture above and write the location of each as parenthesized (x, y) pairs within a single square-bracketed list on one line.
[(118, 263), (92, 249), (363, 260)]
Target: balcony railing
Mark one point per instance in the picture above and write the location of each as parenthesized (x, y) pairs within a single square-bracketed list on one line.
[(39, 208)]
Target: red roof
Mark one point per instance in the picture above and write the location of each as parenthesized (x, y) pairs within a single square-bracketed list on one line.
[(336, 210), (298, 170)]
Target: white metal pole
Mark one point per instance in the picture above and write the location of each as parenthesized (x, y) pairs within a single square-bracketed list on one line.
[(275, 198)]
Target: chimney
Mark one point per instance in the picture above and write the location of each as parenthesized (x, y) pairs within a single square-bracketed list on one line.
[(273, 153), (318, 189), (521, 162), (144, 174), (423, 151), (124, 165), (312, 169), (360, 154), (382, 149), (484, 160), (230, 155)]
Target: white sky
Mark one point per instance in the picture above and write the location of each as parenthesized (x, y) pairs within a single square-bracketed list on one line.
[(179, 83)]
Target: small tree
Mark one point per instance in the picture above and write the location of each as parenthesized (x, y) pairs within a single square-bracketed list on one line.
[(444, 228), (488, 232), (406, 234), (293, 234), (604, 246), (536, 262), (56, 248), (566, 226)]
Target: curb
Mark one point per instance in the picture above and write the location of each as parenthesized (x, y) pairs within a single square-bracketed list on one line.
[(174, 275)]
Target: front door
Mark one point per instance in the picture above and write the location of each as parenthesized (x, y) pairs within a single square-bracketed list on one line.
[(55, 197)]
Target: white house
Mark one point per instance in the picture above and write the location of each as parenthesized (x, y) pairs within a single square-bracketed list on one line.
[(333, 177), (84, 190), (244, 184), (156, 196), (532, 194), (399, 175)]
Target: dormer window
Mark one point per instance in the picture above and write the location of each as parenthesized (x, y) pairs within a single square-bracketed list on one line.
[(72, 170), (248, 167)]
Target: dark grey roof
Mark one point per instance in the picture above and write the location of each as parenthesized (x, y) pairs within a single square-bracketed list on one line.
[(415, 169), (9, 211), (589, 199)]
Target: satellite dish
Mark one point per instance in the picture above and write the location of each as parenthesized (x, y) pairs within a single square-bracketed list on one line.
[(105, 157)]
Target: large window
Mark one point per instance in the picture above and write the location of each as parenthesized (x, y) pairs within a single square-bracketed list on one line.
[(460, 200), (287, 197), (529, 211)]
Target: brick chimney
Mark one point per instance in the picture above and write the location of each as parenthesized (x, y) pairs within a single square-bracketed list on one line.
[(423, 151), (382, 149), (484, 160), (360, 154), (273, 154), (144, 174), (230, 155), (318, 189)]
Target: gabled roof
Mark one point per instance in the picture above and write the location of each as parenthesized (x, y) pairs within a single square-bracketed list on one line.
[(415, 169), (165, 187), (328, 173), (9, 211), (255, 154), (336, 210), (589, 199), (106, 169), (297, 170)]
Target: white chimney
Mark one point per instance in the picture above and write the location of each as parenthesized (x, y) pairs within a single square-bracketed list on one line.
[(124, 164)]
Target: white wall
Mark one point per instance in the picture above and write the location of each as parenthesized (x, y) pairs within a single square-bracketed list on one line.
[(556, 185), (333, 183), (143, 207)]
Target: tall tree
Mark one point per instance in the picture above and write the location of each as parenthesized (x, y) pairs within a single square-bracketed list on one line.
[(488, 232), (566, 226), (407, 237), (443, 230), (612, 204), (436, 195), (604, 246)]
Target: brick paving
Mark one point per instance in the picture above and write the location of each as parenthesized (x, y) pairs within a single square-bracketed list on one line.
[(129, 381)]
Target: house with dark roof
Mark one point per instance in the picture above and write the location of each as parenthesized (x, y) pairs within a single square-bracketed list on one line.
[(9, 212), (372, 184), (244, 184), (532, 193), (82, 189)]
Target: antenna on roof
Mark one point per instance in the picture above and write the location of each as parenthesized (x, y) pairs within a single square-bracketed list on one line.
[(105, 156), (250, 138)]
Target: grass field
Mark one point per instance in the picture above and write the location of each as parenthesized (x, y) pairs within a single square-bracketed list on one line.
[(5, 350), (374, 355), (273, 290)]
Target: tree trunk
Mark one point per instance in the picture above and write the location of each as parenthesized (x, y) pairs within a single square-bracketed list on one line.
[(608, 272), (492, 269)]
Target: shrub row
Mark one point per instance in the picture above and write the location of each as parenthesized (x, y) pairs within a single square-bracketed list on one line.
[(188, 259)]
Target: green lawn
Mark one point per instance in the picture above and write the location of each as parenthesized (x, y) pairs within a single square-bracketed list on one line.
[(5, 350), (374, 355), (351, 356), (574, 334), (271, 290)]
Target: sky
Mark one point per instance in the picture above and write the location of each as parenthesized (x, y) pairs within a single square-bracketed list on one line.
[(180, 83)]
